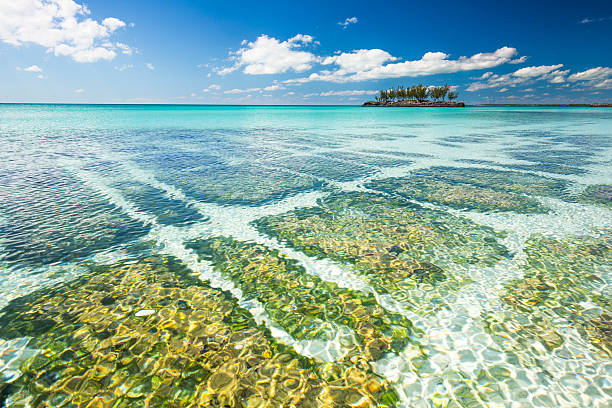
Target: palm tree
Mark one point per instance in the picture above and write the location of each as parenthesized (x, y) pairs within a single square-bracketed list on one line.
[(401, 92), (433, 93), (452, 96), (420, 92), (445, 91)]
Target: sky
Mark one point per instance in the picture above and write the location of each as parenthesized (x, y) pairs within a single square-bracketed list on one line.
[(283, 52)]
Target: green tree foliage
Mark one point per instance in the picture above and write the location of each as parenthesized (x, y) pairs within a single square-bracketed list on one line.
[(419, 92)]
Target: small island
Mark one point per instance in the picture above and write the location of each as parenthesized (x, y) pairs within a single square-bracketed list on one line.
[(416, 96)]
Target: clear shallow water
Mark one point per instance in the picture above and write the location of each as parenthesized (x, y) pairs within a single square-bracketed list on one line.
[(320, 255)]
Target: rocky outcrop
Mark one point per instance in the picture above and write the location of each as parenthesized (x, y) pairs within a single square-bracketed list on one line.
[(412, 103)]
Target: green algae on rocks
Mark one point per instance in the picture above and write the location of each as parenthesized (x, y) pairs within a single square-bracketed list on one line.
[(500, 180), (301, 303), (597, 194), (148, 334), (430, 188), (399, 247), (565, 279)]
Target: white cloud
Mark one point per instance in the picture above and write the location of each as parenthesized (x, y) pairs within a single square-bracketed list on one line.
[(60, 26), (150, 66), (431, 63), (521, 76), (274, 88), (518, 60), (503, 90), (124, 67), (535, 71), (347, 93), (598, 77), (485, 75), (267, 55), (559, 79), (593, 20), (213, 87), (598, 73), (606, 84), (125, 49), (239, 91), (347, 22), (80, 90), (359, 60), (41, 76), (112, 23), (33, 68)]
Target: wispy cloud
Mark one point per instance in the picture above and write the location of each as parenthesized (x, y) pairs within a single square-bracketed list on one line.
[(80, 90), (595, 20), (347, 22), (239, 91), (520, 76), (150, 66), (598, 77), (213, 87), (124, 67), (348, 93), (60, 26)]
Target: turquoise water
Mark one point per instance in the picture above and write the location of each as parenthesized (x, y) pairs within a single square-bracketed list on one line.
[(386, 257)]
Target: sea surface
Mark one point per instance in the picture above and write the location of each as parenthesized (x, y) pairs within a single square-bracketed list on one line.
[(250, 256)]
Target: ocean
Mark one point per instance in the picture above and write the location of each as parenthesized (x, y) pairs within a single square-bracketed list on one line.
[(170, 255)]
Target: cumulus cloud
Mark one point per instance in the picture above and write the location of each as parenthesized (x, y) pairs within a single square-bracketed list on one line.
[(359, 60), (598, 73), (520, 76), (536, 71), (606, 84), (347, 22), (268, 55), (518, 60), (60, 26), (33, 68), (431, 63), (598, 77)]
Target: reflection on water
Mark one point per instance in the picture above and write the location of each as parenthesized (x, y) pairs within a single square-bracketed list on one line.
[(469, 256)]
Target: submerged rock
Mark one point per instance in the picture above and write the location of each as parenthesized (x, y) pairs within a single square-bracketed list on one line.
[(400, 248), (422, 187), (498, 180), (563, 280), (199, 348), (301, 303), (597, 194)]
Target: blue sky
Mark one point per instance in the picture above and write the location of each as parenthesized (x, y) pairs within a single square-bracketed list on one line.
[(302, 52)]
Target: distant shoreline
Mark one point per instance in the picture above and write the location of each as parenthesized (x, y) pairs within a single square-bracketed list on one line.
[(561, 105)]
